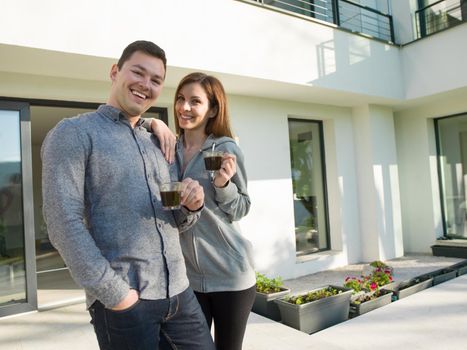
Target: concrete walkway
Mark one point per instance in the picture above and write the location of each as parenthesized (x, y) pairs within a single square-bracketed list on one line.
[(435, 318)]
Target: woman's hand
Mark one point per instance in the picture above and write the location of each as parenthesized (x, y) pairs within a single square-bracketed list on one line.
[(227, 170), (192, 194), (166, 138)]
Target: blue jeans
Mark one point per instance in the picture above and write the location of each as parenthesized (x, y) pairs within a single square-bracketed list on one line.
[(175, 323)]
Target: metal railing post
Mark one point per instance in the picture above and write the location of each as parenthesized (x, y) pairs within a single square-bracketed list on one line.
[(335, 12), (391, 27)]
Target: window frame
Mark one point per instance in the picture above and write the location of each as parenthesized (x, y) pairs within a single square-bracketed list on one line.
[(322, 152)]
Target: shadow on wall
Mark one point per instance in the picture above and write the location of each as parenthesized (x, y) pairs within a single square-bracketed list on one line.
[(275, 257), (358, 64)]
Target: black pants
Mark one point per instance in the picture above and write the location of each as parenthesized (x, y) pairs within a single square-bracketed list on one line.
[(229, 311)]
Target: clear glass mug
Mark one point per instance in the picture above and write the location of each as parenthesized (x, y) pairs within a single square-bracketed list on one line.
[(171, 195)]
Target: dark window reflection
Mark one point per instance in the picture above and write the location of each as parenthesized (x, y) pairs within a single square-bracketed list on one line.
[(452, 160), (311, 233), (12, 266)]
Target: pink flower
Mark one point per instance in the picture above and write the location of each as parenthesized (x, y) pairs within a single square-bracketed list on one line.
[(347, 279), (373, 286)]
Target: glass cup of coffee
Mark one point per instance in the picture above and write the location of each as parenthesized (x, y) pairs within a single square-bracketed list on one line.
[(170, 195), (212, 162)]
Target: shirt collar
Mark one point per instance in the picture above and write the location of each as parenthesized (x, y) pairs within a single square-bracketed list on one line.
[(115, 114)]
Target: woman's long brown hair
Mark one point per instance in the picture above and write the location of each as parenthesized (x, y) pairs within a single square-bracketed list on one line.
[(219, 125)]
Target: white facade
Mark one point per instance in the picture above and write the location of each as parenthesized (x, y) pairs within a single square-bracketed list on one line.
[(377, 102)]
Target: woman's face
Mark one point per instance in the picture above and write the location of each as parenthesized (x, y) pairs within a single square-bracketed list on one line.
[(192, 107)]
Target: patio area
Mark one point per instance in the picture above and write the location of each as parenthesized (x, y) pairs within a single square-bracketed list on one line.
[(430, 319)]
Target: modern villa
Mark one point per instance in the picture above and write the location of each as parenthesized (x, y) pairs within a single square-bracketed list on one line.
[(351, 114)]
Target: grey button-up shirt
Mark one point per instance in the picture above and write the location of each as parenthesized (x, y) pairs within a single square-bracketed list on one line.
[(101, 203)]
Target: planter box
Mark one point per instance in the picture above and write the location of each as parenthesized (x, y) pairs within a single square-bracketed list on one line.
[(440, 276), (265, 306), (316, 315), (460, 267), (443, 275), (362, 308), (450, 251), (404, 289), (461, 270)]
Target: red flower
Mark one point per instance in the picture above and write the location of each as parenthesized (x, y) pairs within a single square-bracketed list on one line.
[(373, 286)]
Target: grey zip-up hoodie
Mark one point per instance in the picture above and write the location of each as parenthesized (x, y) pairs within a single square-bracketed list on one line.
[(217, 256)]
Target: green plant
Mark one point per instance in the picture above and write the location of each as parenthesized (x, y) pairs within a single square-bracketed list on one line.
[(378, 264), (312, 296), (353, 283), (268, 285), (380, 275)]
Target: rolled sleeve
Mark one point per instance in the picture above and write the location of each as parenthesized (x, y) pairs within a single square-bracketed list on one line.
[(186, 218)]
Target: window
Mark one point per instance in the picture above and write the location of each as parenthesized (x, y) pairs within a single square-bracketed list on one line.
[(308, 182), (13, 286), (452, 165)]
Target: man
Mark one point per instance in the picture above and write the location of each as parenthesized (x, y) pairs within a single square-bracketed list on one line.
[(101, 177)]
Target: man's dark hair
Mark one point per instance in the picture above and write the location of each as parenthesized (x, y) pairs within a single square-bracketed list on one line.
[(147, 47)]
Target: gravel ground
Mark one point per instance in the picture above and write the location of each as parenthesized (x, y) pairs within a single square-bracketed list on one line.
[(405, 268)]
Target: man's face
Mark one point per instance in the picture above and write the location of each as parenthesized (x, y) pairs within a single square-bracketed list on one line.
[(137, 85)]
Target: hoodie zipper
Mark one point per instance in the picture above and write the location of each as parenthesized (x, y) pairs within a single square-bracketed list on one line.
[(193, 239)]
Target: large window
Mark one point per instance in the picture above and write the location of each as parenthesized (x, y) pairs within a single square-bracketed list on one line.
[(452, 162), (309, 188), (12, 247), (436, 15)]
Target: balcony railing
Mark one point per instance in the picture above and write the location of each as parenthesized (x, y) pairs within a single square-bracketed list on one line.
[(440, 15), (344, 13)]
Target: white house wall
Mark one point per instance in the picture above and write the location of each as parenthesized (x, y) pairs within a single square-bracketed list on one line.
[(419, 183), (437, 64), (378, 178), (262, 128), (224, 36), (403, 16)]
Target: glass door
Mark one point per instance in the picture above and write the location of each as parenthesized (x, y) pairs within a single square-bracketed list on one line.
[(309, 186), (17, 277), (452, 164)]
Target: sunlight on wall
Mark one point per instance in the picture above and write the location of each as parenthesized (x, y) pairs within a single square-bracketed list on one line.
[(379, 187), (396, 209)]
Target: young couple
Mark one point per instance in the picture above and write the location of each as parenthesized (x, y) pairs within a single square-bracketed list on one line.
[(101, 177)]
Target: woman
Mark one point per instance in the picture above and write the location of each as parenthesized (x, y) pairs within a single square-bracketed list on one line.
[(218, 258)]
